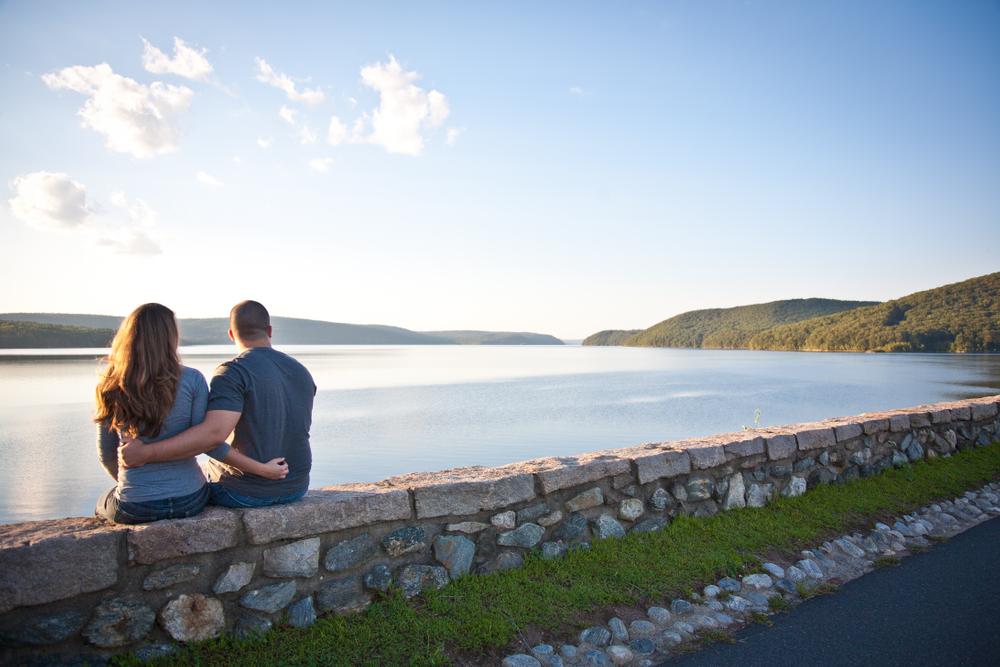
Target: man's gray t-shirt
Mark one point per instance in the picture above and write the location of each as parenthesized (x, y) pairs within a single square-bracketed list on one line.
[(274, 393)]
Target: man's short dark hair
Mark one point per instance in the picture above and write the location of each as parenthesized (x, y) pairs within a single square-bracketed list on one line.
[(249, 320)]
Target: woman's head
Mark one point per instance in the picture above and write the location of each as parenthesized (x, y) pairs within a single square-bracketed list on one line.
[(138, 385)]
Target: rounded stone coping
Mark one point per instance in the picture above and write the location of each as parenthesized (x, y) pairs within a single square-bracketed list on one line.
[(470, 490)]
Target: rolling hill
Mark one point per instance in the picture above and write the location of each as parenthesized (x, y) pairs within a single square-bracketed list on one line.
[(961, 317), (287, 330), (610, 337), (22, 335)]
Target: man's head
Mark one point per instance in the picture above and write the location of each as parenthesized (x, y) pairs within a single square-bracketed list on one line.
[(250, 324)]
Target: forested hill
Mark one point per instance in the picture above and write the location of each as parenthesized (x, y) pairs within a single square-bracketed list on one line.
[(287, 330), (22, 335), (610, 337), (727, 328), (961, 317)]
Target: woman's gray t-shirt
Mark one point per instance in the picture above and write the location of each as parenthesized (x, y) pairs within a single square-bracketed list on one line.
[(171, 479)]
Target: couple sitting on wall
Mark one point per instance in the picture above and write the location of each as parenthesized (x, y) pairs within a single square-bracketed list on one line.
[(155, 416)]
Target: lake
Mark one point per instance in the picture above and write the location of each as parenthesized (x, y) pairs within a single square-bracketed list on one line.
[(384, 410)]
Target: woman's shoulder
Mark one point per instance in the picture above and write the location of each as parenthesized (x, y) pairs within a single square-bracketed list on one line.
[(191, 375)]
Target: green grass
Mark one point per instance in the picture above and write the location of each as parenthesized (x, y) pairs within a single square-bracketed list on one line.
[(481, 616)]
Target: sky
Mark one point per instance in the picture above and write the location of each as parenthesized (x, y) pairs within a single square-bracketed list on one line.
[(553, 167)]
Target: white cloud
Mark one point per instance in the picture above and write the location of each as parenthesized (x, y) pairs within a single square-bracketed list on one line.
[(307, 135), (55, 201), (452, 135), (336, 132), (576, 90), (264, 143), (321, 164), (187, 62), (135, 119), (353, 102), (404, 112), (49, 200), (287, 114), (266, 74), (207, 179)]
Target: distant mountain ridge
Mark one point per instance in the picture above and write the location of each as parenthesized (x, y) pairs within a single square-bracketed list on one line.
[(287, 330), (723, 328)]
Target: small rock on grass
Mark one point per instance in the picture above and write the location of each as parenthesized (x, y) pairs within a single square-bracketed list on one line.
[(520, 660)]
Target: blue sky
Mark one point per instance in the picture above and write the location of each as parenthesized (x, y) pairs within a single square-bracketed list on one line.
[(580, 167)]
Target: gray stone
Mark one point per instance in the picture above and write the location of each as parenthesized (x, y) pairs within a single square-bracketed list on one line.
[(774, 570), (504, 520), (573, 527), (815, 438), (466, 490), (342, 595), (699, 488), (349, 553), (215, 529), (641, 628), (660, 500), (786, 585), (915, 451), (736, 494), (269, 599), (606, 526), (706, 509), (705, 455), (663, 464), (193, 618), (737, 603), (550, 519), (455, 553), (47, 629), (508, 561), (781, 470), (568, 651), (730, 585), (758, 600), (680, 492), (649, 525), (899, 423), (803, 465), (810, 568), (847, 431), (168, 576), (525, 536), (119, 621), (642, 646), (298, 559), (658, 615), (378, 578), (520, 660), (899, 459), (468, 527), (630, 509), (679, 607), (553, 550), (780, 446), (618, 630), (302, 614), (596, 658), (326, 510), (569, 471), (597, 635), (414, 579), (544, 652), (44, 561), (405, 540), (796, 487), (711, 591), (250, 625), (590, 498), (824, 458), (759, 494), (234, 578), (620, 655), (531, 513), (757, 582)]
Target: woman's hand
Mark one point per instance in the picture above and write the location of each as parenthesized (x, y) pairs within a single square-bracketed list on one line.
[(274, 469)]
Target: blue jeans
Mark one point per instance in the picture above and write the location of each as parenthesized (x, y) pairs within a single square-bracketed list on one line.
[(220, 495), (110, 507)]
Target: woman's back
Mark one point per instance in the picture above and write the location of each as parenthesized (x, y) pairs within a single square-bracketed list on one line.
[(172, 479)]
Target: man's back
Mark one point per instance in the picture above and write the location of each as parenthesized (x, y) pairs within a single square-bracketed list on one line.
[(274, 393)]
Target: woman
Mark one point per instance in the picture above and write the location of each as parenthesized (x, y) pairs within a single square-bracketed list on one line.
[(145, 392)]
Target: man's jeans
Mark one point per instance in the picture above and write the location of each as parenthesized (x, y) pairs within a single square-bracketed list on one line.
[(220, 495), (111, 508)]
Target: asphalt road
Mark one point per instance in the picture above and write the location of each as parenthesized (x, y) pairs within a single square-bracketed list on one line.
[(940, 607)]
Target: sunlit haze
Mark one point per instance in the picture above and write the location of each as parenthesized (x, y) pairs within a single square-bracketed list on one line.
[(558, 168)]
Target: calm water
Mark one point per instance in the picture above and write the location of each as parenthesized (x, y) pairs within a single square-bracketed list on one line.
[(386, 410)]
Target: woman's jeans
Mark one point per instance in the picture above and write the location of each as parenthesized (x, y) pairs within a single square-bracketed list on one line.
[(226, 498), (110, 507)]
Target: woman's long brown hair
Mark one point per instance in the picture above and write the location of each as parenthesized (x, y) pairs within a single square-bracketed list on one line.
[(138, 385)]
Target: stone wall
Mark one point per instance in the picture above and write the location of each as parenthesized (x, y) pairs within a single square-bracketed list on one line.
[(72, 587)]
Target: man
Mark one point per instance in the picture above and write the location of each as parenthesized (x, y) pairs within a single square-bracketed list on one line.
[(263, 398)]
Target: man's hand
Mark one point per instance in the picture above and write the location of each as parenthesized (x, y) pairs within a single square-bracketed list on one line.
[(133, 453), (275, 469)]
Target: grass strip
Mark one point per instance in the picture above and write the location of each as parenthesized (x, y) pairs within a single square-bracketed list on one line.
[(480, 616)]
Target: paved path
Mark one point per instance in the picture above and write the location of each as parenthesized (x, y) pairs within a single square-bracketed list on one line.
[(941, 607)]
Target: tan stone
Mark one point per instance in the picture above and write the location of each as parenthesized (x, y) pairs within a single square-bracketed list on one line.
[(326, 510), (815, 438), (466, 490), (214, 529), (567, 471), (704, 454), (940, 416), (741, 445), (44, 561), (652, 464), (875, 423), (899, 422)]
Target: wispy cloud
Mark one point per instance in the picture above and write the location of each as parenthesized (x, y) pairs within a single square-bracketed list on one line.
[(266, 74), (264, 142), (307, 135), (577, 91), (207, 179), (187, 62), (336, 132), (452, 135), (133, 118), (287, 114), (405, 110), (321, 164)]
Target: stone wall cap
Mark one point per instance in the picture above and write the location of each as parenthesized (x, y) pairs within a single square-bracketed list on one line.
[(463, 491), (214, 529), (563, 472)]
